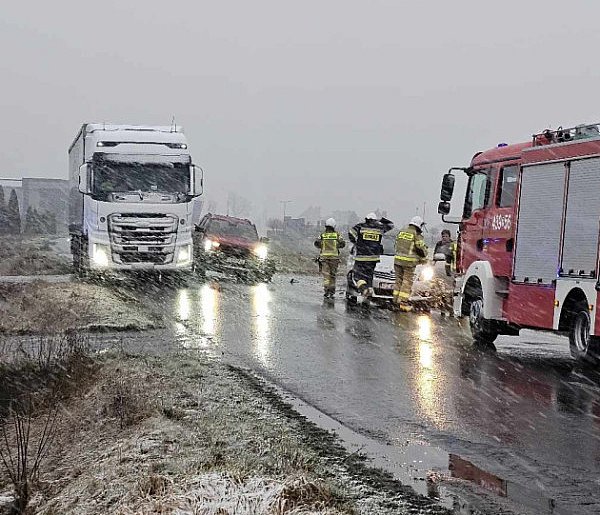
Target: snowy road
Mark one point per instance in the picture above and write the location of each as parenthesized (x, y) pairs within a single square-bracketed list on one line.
[(523, 422)]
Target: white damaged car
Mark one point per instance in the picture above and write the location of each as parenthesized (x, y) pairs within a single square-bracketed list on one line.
[(425, 292)]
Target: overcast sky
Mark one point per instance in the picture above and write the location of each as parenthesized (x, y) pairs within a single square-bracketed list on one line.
[(344, 104)]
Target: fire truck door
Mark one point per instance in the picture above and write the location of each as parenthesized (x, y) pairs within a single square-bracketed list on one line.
[(471, 232), (498, 229)]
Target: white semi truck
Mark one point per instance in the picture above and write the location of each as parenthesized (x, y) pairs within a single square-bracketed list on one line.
[(132, 198)]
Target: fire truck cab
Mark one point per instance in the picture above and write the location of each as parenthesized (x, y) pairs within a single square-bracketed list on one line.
[(528, 241)]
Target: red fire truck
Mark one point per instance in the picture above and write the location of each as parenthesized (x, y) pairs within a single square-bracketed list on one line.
[(528, 242)]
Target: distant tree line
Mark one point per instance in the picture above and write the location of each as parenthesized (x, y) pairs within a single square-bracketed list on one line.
[(10, 216), (35, 222)]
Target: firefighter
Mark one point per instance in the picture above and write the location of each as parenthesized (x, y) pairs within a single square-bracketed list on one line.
[(410, 251), (366, 237), (446, 246), (329, 243)]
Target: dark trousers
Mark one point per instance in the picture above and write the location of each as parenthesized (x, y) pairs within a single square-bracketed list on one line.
[(362, 274)]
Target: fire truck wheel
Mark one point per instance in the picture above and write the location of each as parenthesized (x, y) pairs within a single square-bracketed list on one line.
[(483, 330), (584, 346)]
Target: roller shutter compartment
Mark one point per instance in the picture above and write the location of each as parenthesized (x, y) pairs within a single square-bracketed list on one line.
[(539, 223), (580, 243)]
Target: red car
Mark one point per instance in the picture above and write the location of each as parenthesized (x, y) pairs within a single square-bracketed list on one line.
[(230, 245)]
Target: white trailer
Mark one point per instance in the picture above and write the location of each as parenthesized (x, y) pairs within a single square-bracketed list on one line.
[(132, 195)]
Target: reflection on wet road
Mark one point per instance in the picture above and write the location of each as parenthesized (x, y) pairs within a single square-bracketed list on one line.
[(524, 414)]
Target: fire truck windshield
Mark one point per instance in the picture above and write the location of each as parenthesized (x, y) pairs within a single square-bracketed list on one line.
[(477, 193)]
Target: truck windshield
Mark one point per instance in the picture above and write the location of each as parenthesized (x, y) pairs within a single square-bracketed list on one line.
[(240, 230), (114, 176)]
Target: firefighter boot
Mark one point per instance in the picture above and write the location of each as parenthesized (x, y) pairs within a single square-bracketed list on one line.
[(404, 307)]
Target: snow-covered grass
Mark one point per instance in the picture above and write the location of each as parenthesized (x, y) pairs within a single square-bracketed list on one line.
[(185, 434), (182, 433), (20, 255), (294, 257), (46, 308), (195, 440)]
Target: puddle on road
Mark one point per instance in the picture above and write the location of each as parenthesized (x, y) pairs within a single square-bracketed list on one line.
[(431, 471)]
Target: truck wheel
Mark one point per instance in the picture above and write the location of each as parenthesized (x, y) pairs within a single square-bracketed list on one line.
[(483, 330), (584, 346), (82, 262)]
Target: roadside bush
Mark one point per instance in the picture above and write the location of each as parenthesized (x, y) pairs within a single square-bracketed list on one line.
[(36, 374)]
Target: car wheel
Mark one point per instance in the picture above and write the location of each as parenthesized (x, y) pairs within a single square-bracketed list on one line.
[(584, 346)]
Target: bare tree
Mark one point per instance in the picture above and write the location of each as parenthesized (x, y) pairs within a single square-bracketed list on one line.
[(21, 455)]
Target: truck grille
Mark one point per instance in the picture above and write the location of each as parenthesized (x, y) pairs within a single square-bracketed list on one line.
[(388, 276), (142, 237)]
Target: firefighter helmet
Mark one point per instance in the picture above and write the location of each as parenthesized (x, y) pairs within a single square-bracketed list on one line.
[(371, 216), (417, 221), (330, 222)]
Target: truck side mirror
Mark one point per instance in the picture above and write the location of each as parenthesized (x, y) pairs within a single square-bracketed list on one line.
[(197, 180), (444, 208), (84, 186), (447, 187)]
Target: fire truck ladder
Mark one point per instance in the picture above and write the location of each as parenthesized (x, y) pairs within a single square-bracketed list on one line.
[(560, 135)]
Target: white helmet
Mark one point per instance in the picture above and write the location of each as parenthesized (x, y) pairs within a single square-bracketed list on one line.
[(417, 221), (330, 222), (371, 216)]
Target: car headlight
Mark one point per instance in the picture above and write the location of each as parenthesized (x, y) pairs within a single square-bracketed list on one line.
[(210, 245), (185, 254), (261, 252), (427, 273), (100, 255)]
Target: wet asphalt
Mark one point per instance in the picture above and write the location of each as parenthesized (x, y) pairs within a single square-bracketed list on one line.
[(520, 422)]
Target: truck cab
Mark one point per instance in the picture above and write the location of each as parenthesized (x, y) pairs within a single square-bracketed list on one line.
[(487, 228), (132, 197)]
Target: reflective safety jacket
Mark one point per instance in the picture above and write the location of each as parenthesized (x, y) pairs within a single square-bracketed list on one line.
[(449, 250), (330, 243), (410, 247), (367, 237)]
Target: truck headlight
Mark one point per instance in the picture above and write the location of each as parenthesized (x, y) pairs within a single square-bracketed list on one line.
[(427, 273), (210, 245), (261, 252), (185, 254), (100, 255)]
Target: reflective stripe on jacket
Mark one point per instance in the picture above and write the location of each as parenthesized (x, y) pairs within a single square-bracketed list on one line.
[(453, 263), (330, 244), (410, 247)]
